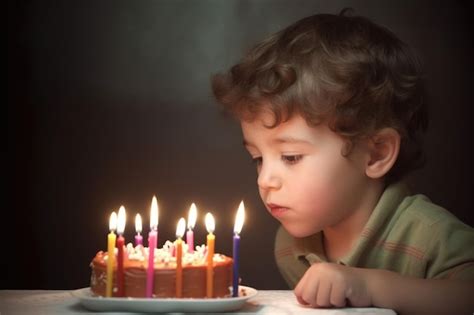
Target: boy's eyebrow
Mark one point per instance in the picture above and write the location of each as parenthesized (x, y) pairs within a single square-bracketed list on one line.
[(289, 139), (281, 140)]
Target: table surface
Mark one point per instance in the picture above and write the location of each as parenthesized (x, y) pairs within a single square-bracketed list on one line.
[(65, 302)]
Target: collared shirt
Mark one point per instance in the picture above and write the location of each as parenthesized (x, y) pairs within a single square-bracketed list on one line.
[(406, 234)]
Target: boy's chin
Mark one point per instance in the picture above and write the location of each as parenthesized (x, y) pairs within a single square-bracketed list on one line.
[(296, 231)]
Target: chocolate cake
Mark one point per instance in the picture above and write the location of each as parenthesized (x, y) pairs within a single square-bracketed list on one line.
[(135, 270)]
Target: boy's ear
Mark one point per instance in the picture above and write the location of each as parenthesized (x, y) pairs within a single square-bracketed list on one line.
[(383, 147)]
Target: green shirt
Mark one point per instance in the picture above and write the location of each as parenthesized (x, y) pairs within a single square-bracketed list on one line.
[(406, 234)]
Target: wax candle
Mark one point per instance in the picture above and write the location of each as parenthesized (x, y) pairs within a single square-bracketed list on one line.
[(152, 242), (111, 254), (192, 216), (172, 250), (138, 229), (179, 257), (239, 222), (120, 245), (210, 226)]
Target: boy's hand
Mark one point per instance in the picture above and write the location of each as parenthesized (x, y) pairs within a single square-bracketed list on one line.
[(332, 285)]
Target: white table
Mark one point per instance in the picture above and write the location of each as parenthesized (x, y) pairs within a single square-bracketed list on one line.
[(64, 302)]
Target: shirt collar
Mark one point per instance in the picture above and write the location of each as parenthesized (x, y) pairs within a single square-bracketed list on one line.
[(310, 248)]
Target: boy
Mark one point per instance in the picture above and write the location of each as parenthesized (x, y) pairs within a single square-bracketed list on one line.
[(331, 110)]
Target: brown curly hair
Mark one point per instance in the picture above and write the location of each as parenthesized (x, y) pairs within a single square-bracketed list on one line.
[(341, 69)]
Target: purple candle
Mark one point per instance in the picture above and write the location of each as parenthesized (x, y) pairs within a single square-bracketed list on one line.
[(235, 273), (239, 222), (192, 216), (152, 242), (138, 229)]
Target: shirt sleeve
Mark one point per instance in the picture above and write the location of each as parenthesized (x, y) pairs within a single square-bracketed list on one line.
[(452, 251)]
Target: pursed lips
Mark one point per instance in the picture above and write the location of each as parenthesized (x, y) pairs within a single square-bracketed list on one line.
[(276, 210)]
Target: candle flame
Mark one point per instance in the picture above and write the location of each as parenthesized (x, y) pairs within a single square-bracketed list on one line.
[(192, 216), (113, 221), (239, 218), (121, 220), (210, 223), (154, 214), (180, 228), (138, 223)]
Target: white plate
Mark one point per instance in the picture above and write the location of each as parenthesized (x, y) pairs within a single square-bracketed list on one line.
[(98, 303)]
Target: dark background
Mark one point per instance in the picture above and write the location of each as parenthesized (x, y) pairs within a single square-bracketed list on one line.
[(109, 103)]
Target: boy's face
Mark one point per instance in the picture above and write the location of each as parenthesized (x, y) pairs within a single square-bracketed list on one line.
[(303, 179)]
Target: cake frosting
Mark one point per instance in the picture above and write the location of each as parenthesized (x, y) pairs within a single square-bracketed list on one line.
[(135, 268)]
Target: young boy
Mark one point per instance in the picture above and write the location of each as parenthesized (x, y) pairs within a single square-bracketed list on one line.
[(331, 110)]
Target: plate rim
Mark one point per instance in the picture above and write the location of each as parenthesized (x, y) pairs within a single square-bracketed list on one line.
[(99, 303)]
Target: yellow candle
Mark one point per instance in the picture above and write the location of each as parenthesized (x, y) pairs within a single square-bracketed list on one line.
[(179, 257), (210, 226), (111, 254)]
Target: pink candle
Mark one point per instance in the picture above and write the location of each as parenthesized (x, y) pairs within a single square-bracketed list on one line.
[(152, 242), (190, 240), (120, 247), (172, 250), (138, 229), (192, 216)]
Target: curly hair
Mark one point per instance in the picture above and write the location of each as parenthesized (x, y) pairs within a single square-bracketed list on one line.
[(344, 70)]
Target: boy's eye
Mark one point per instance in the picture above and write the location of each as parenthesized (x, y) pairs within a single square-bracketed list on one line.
[(257, 160), (291, 159)]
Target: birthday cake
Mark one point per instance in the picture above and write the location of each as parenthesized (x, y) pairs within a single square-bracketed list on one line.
[(135, 264)]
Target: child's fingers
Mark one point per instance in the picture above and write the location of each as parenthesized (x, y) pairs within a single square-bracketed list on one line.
[(310, 293), (306, 291), (338, 295), (299, 287), (324, 294), (301, 301)]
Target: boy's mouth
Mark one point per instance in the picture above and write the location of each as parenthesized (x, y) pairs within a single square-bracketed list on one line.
[(276, 210)]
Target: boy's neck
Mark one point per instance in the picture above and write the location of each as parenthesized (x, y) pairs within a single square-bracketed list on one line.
[(339, 239)]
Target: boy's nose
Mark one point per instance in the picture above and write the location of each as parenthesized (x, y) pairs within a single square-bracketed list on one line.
[(268, 179)]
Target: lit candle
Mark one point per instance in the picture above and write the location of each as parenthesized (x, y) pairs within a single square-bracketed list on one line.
[(210, 226), (239, 222), (192, 216), (152, 241), (111, 254), (179, 257), (138, 229), (120, 245)]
